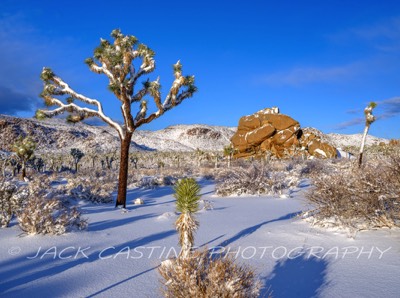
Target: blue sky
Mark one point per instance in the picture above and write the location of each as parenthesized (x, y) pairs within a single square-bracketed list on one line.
[(321, 62)]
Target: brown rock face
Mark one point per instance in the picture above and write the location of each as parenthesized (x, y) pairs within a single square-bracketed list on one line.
[(280, 135)]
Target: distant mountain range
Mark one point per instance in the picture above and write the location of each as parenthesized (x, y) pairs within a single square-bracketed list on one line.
[(57, 135)]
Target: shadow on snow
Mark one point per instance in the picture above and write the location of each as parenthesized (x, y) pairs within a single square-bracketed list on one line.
[(299, 277)]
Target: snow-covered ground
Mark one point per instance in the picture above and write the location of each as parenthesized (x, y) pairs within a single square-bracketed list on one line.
[(119, 253)]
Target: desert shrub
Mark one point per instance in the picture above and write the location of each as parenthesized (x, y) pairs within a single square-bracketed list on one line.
[(96, 188), (155, 181), (203, 276), (254, 180), (315, 167), (42, 214), (358, 198), (11, 198), (148, 182)]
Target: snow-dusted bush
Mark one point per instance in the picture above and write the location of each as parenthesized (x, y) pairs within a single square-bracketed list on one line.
[(202, 276), (42, 214), (96, 189), (254, 180), (358, 198), (11, 198), (154, 181), (315, 167)]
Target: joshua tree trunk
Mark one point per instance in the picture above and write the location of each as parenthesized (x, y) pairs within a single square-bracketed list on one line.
[(186, 225), (362, 145), (369, 119), (23, 170), (123, 170)]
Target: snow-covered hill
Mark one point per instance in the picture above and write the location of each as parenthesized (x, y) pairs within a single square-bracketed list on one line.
[(341, 140), (56, 135)]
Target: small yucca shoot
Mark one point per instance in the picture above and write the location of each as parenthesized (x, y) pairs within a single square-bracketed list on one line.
[(187, 203)]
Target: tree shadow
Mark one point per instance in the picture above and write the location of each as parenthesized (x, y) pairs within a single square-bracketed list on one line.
[(38, 268), (250, 230), (299, 277), (109, 224), (120, 282)]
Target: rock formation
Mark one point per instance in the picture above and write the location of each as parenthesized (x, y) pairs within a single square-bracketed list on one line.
[(269, 132)]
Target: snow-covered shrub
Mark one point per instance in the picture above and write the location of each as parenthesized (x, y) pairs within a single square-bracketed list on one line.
[(203, 276), (254, 180), (358, 198), (11, 198), (169, 180), (315, 167), (148, 182), (43, 216), (207, 204), (154, 181), (92, 188)]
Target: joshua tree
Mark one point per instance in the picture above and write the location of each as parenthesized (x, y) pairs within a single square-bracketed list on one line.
[(115, 60), (187, 202), (24, 148), (134, 159), (37, 163), (228, 151), (77, 156), (369, 119)]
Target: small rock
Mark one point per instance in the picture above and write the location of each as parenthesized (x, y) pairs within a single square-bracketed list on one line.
[(138, 201)]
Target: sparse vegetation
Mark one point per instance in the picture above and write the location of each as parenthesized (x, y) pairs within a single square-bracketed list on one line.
[(359, 198), (255, 179)]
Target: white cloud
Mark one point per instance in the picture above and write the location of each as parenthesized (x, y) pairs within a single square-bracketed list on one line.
[(383, 36), (305, 75)]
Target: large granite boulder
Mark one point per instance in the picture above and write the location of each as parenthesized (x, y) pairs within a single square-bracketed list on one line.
[(269, 132)]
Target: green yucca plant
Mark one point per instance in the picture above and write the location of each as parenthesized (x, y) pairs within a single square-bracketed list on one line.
[(187, 203)]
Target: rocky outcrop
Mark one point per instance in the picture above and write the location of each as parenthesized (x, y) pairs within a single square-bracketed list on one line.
[(269, 132)]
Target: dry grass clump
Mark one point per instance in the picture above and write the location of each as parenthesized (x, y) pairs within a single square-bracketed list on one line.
[(255, 180), (202, 276), (359, 198)]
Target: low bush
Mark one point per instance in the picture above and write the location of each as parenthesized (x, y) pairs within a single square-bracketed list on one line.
[(155, 181), (202, 276), (42, 214), (254, 180), (95, 189), (359, 198), (11, 198)]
